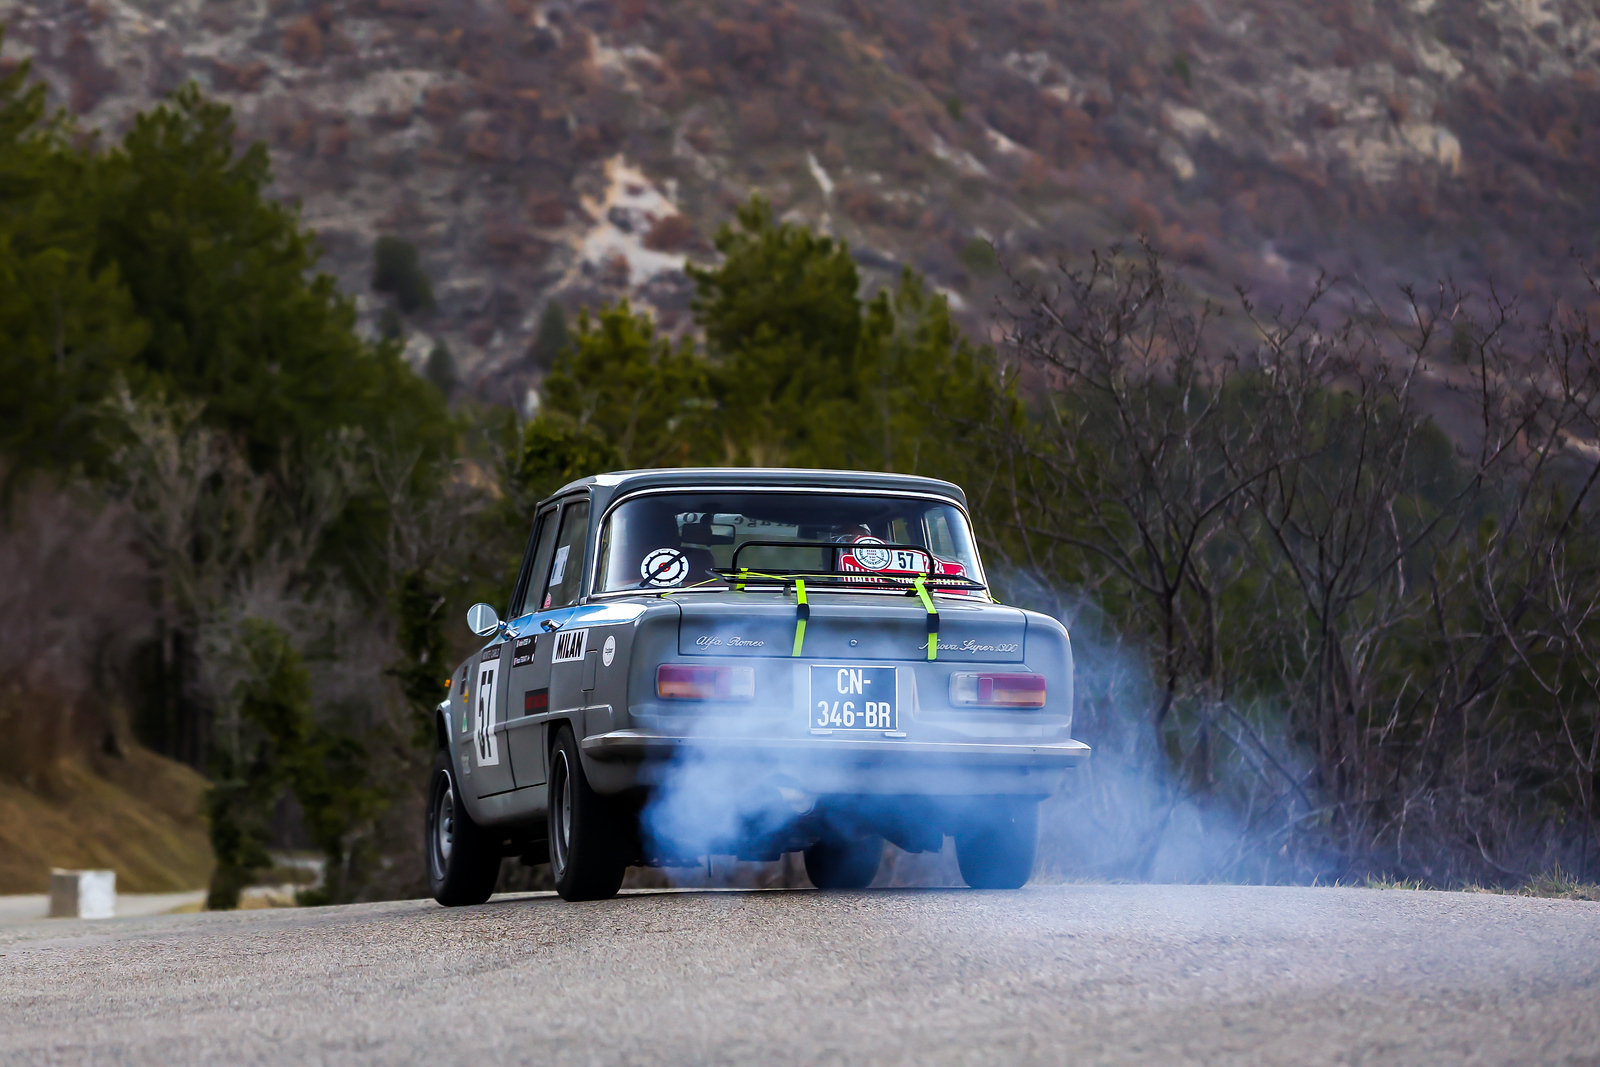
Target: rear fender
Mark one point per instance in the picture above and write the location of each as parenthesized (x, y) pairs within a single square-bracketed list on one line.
[(1049, 652)]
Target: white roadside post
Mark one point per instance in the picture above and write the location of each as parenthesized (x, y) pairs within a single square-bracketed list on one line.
[(83, 894)]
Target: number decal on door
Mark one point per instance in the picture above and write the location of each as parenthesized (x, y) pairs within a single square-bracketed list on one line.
[(484, 712)]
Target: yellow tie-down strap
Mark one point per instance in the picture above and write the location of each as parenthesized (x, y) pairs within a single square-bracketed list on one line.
[(802, 610), (802, 613), (933, 615)]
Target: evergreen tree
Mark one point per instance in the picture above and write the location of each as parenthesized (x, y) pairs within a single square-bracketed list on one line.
[(648, 398), (397, 271), (555, 452), (441, 369), (222, 276), (791, 337), (938, 396), (67, 325), (551, 338), (806, 372)]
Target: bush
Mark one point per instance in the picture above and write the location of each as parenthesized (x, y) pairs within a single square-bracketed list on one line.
[(551, 339), (441, 369), (396, 271)]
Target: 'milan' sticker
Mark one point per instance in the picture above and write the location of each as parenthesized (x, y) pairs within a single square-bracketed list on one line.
[(570, 645)]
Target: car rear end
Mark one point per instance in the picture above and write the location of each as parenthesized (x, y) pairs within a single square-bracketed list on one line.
[(860, 726), (816, 669)]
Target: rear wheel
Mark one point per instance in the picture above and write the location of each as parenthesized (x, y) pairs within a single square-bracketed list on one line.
[(995, 848), (586, 853), (463, 860), (844, 863)]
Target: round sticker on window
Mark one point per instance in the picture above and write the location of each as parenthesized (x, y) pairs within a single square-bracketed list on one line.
[(873, 559), (664, 566), (609, 652)]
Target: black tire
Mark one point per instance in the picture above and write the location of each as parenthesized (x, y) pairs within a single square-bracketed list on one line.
[(844, 863), (586, 853), (995, 848), (463, 861)]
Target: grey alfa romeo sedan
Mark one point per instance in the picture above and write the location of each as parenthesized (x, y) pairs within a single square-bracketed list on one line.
[(749, 662)]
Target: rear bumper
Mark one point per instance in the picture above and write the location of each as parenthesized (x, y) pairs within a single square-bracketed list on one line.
[(624, 758)]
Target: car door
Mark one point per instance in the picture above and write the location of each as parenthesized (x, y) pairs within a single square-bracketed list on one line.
[(570, 648), (490, 700), (551, 598)]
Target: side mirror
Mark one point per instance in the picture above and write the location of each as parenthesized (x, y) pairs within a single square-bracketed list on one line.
[(482, 620)]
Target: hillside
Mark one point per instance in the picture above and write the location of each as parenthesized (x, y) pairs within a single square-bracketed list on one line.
[(76, 788), (579, 151), (135, 813)]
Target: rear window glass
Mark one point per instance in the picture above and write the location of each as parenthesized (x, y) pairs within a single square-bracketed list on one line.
[(674, 540)]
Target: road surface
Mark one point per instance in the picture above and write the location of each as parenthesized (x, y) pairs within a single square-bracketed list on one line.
[(1048, 975), (33, 906)]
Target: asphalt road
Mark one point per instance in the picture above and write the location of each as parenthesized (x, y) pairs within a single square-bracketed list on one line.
[(1053, 975), (33, 906)]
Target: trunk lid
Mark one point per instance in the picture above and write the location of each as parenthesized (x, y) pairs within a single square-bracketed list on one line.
[(847, 626)]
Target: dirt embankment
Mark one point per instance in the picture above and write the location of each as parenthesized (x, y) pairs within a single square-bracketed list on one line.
[(136, 813), (76, 790)]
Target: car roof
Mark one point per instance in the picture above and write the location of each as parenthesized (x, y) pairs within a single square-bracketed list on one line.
[(610, 486)]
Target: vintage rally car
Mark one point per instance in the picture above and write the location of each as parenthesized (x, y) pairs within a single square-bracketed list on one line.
[(749, 662)]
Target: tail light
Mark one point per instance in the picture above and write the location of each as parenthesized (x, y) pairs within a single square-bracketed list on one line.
[(997, 690), (676, 681)]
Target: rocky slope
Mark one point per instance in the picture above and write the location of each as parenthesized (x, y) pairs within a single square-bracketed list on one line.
[(579, 151)]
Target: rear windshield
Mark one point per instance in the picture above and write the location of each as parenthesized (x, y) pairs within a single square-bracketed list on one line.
[(673, 540)]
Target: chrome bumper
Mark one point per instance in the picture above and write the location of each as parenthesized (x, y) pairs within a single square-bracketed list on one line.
[(640, 745)]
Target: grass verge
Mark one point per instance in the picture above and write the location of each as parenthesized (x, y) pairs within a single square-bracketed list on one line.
[(1554, 884)]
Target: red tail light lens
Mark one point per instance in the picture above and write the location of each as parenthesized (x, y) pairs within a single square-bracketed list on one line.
[(675, 681), (997, 690)]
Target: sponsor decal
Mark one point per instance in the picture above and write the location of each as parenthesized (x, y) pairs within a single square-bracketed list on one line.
[(864, 557), (570, 645), (873, 559), (664, 566), (609, 651), (535, 701), (522, 652)]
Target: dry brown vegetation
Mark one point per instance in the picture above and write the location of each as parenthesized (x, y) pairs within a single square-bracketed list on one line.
[(76, 790), (1316, 634), (136, 813), (1255, 141)]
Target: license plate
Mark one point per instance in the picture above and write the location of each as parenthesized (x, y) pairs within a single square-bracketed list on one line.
[(854, 698)]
